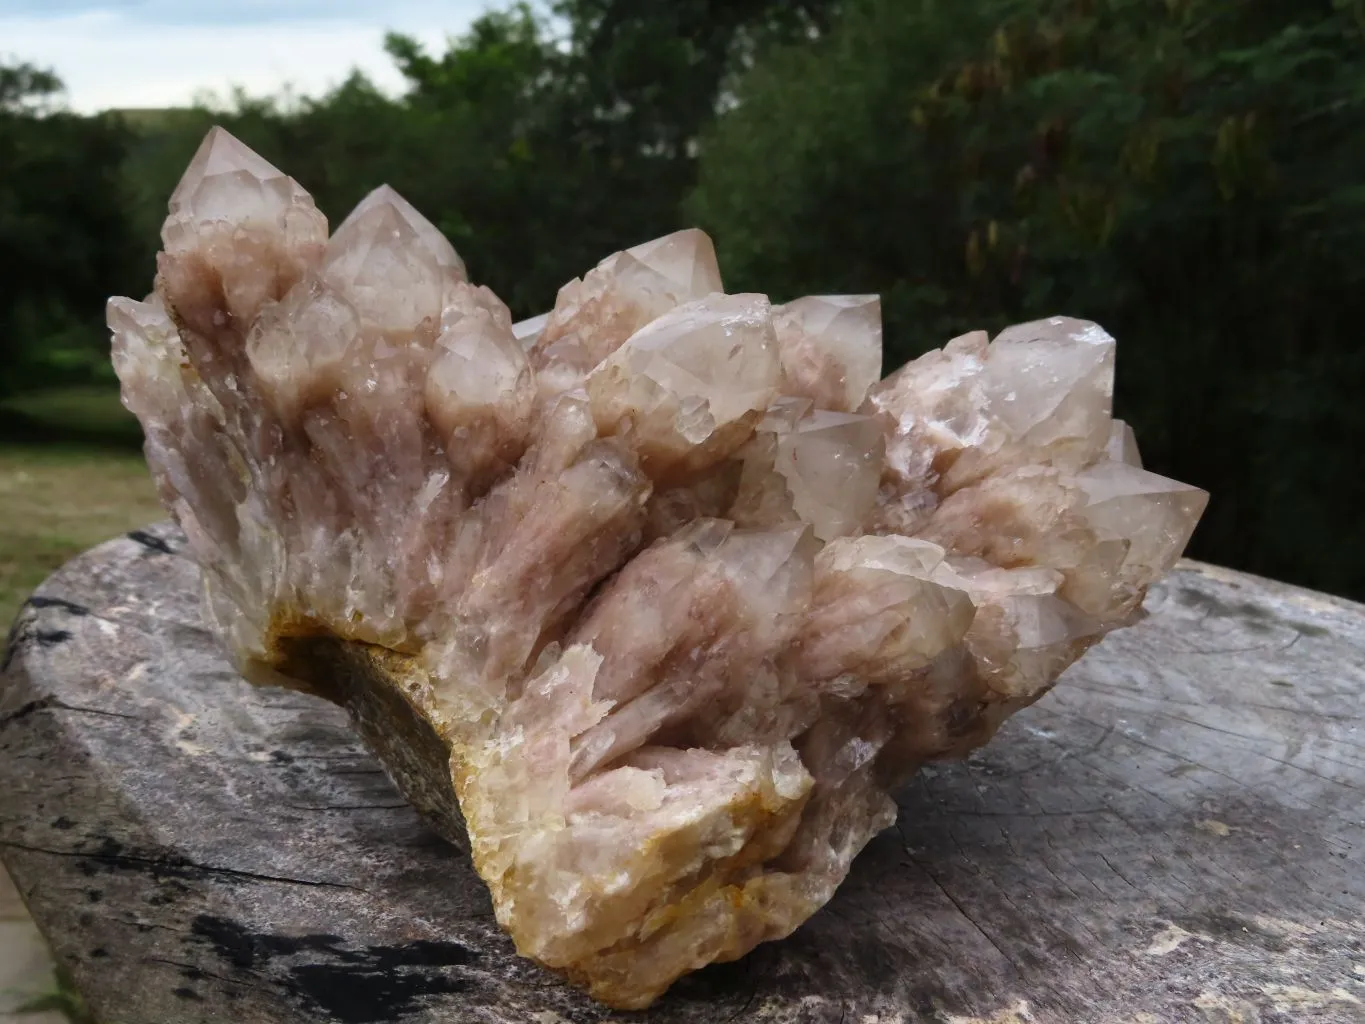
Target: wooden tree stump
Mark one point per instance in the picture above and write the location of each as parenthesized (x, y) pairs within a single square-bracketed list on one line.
[(1176, 833)]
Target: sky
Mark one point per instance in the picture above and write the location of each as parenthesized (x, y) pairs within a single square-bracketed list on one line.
[(159, 53)]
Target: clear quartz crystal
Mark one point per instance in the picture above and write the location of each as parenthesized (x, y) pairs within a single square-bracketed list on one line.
[(683, 588), (1122, 445), (528, 331), (831, 348), (822, 468), (595, 315), (688, 388)]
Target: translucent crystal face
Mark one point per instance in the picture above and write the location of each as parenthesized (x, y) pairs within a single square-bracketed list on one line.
[(682, 587), (594, 315), (831, 348)]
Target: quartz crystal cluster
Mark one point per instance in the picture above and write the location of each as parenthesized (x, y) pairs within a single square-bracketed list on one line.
[(676, 588)]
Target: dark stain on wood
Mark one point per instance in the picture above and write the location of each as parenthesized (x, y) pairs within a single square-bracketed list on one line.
[(152, 541), (377, 983)]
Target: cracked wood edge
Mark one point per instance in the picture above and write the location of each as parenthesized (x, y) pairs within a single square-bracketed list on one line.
[(1177, 832)]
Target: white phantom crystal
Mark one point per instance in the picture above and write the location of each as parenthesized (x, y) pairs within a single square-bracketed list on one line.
[(654, 600)]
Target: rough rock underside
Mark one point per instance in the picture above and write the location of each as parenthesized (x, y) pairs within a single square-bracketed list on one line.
[(667, 587)]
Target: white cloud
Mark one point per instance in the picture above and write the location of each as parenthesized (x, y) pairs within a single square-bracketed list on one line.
[(129, 58)]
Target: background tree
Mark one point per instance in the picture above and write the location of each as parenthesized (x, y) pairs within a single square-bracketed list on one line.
[(640, 81), (1181, 174), (63, 234), (537, 153)]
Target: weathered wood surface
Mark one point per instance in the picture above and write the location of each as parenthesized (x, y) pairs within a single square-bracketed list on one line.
[(1176, 833)]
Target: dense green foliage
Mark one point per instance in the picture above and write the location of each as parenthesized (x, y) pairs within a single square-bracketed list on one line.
[(1187, 174), (64, 233), (1184, 172)]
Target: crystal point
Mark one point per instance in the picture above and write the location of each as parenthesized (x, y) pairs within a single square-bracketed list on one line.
[(831, 348), (221, 154), (688, 388), (528, 331), (1051, 383), (240, 234), (685, 259), (425, 234), (595, 315), (394, 264), (663, 593), (1156, 516)]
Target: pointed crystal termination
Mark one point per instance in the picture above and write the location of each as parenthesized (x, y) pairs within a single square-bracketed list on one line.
[(240, 233), (301, 349), (480, 394), (392, 262), (878, 613), (688, 389), (1155, 516), (1040, 393), (528, 331), (685, 259), (831, 348), (1051, 383), (823, 469), (669, 619), (429, 238), (1023, 635), (595, 315), (220, 152), (397, 266)]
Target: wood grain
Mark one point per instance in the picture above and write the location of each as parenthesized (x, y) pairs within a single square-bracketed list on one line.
[(1176, 833)]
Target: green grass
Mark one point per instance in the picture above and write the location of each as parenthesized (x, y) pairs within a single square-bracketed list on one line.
[(63, 999), (57, 501), (71, 476)]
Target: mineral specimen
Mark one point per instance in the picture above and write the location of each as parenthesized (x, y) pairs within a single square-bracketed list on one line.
[(652, 602)]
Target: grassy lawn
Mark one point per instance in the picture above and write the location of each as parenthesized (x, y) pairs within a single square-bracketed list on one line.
[(71, 476), (56, 501)]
